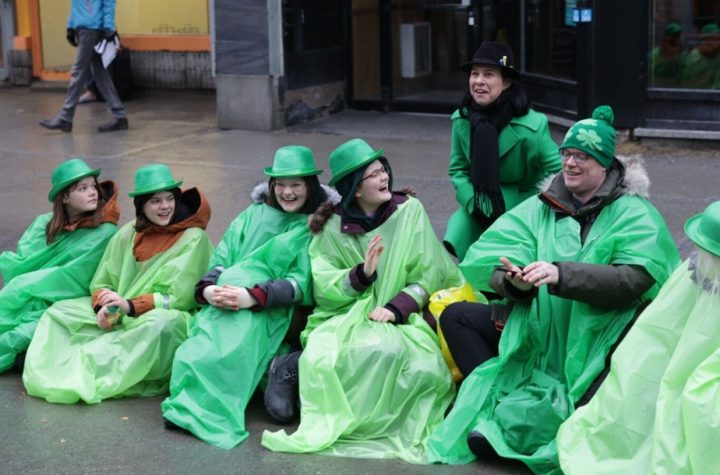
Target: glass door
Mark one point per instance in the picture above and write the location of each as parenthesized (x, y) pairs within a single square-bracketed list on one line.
[(430, 40)]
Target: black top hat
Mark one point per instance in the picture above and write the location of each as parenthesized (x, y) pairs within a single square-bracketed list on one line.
[(494, 54)]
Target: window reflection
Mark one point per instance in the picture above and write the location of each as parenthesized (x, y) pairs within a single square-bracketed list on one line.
[(686, 44)]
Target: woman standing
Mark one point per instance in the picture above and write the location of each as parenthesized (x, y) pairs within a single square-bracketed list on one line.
[(259, 279), (373, 382), (121, 341), (500, 150), (57, 254)]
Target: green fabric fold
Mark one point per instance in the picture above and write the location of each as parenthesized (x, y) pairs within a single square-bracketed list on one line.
[(370, 389), (218, 368), (72, 359), (551, 348), (37, 274), (658, 410)]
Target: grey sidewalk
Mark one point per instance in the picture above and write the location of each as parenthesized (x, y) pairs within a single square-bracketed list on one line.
[(126, 436)]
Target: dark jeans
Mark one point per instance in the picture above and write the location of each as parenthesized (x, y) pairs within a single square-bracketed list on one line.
[(470, 334), (88, 62)]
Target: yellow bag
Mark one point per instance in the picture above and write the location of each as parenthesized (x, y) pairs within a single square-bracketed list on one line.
[(438, 302)]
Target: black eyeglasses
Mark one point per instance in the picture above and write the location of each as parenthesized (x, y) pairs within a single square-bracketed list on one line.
[(376, 173), (578, 156)]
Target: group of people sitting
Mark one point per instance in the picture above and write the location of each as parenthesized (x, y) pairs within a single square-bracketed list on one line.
[(326, 291)]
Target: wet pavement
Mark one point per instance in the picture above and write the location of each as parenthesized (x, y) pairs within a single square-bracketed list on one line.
[(127, 436)]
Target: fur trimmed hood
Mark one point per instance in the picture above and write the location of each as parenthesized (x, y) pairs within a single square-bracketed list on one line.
[(260, 192), (635, 182)]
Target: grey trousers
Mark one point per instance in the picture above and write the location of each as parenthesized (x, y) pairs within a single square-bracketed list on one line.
[(88, 61)]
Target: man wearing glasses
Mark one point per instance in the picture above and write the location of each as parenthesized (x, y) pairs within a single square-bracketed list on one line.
[(575, 266)]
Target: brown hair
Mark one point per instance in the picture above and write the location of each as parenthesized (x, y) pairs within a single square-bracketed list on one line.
[(60, 217), (326, 210)]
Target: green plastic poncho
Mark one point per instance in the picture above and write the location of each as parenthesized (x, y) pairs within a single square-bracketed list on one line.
[(71, 358), (218, 368), (370, 389), (658, 411), (551, 348), (36, 275)]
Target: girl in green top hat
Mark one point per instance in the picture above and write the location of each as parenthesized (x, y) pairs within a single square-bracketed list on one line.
[(57, 254), (256, 293), (669, 363), (373, 380), (120, 340)]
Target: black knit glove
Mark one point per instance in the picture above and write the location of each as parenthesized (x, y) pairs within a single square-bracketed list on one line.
[(109, 35), (71, 36)]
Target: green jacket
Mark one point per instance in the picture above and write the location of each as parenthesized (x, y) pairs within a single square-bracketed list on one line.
[(552, 348), (527, 155)]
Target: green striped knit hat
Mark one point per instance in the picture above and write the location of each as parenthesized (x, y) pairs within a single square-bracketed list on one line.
[(595, 137)]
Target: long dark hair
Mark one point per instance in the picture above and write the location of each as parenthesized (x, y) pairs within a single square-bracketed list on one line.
[(515, 94), (60, 217), (141, 221), (315, 194)]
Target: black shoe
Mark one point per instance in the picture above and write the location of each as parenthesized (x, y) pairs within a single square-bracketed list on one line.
[(56, 123), (480, 446), (115, 124), (281, 394)]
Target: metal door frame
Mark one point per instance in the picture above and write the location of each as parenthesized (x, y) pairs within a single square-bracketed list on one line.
[(7, 30)]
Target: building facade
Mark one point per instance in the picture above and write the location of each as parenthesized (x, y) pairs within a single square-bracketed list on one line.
[(278, 62)]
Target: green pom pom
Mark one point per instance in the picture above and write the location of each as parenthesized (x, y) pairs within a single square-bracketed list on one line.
[(604, 113)]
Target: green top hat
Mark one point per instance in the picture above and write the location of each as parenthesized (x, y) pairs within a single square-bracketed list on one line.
[(350, 156), (704, 229), (292, 161), (153, 178), (69, 172)]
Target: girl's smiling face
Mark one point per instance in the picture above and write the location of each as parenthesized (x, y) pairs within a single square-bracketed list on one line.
[(291, 193), (160, 208), (374, 189)]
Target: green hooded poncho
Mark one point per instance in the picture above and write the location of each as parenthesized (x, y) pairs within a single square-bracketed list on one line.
[(370, 389), (37, 275), (71, 358), (658, 411), (218, 368), (552, 348)]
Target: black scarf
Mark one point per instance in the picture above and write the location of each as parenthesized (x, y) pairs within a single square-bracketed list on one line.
[(486, 124)]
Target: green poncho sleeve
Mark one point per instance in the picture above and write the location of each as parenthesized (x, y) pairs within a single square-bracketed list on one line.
[(250, 229), (412, 255), (36, 275), (170, 276)]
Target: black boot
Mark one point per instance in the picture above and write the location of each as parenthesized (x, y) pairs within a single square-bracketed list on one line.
[(480, 446), (56, 123), (118, 123), (281, 394)]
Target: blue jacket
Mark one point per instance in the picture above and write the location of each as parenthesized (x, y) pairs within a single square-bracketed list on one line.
[(92, 14)]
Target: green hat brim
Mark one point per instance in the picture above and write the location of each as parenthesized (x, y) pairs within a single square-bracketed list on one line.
[(693, 232), (68, 181), (155, 188), (355, 165), (291, 173)]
